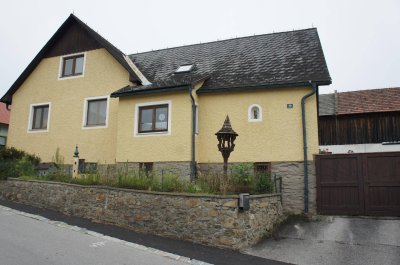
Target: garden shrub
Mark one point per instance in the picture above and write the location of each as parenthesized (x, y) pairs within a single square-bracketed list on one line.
[(172, 183), (87, 179), (13, 154), (137, 180), (263, 183), (243, 174), (15, 163)]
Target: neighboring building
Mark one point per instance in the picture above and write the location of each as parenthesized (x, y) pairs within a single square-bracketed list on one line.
[(4, 121), (161, 109), (360, 121)]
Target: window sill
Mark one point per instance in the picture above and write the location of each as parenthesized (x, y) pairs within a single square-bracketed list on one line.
[(70, 77), (254, 120), (89, 127), (38, 130), (143, 134)]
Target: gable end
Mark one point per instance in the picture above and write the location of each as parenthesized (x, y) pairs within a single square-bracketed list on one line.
[(74, 40)]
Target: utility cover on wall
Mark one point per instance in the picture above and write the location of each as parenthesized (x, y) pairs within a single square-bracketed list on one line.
[(289, 106)]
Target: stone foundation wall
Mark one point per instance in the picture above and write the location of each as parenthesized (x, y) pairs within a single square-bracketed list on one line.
[(181, 169), (292, 174), (210, 220)]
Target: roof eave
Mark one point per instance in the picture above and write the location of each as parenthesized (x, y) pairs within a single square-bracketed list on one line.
[(259, 87), (157, 90)]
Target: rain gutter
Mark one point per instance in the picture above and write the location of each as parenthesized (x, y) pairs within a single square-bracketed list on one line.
[(314, 88)]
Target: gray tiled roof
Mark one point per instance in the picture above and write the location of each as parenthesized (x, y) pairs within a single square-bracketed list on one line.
[(277, 59), (326, 104)]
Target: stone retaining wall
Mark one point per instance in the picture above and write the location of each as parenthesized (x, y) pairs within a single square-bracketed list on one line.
[(210, 220), (292, 174)]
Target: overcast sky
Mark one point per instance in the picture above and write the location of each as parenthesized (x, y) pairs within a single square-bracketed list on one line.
[(360, 39)]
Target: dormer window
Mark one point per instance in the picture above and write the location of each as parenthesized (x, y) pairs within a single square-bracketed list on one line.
[(72, 65), (184, 68)]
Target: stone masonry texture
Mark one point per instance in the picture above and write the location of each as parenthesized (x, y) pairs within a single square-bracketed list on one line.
[(292, 174), (210, 220), (181, 169)]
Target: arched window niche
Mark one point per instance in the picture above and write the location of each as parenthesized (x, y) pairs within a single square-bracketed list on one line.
[(255, 113)]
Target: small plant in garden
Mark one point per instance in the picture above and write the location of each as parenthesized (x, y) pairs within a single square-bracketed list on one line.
[(137, 180), (56, 170), (58, 159), (263, 183), (172, 183), (87, 179), (243, 174), (25, 167), (242, 177)]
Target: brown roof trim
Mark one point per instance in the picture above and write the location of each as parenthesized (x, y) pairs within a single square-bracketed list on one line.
[(115, 52)]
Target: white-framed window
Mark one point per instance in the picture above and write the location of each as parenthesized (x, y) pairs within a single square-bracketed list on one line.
[(153, 118), (95, 112), (72, 66), (39, 117), (255, 113)]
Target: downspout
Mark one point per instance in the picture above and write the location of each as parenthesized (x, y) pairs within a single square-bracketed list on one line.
[(303, 120), (193, 139)]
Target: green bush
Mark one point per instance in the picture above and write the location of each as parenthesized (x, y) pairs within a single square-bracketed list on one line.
[(15, 163), (13, 154), (87, 179), (171, 183), (137, 180), (243, 174), (24, 167), (263, 183), (8, 170)]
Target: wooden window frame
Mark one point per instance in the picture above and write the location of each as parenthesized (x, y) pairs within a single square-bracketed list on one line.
[(153, 122), (41, 126), (73, 57), (87, 112)]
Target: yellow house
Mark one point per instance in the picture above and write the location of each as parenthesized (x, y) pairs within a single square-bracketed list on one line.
[(161, 109)]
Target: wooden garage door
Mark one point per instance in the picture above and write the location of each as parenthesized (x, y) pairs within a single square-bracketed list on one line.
[(359, 184)]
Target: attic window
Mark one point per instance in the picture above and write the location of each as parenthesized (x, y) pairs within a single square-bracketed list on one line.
[(184, 68), (72, 66)]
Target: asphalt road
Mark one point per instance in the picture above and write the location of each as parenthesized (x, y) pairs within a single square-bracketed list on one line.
[(28, 239), (335, 240)]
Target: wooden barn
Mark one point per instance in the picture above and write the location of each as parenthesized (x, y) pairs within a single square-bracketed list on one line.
[(360, 121), (360, 131)]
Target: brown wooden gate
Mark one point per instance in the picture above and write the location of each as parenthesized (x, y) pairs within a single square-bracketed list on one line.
[(359, 184)]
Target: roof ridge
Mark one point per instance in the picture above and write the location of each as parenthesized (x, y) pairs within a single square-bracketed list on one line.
[(362, 90), (224, 40), (87, 27)]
